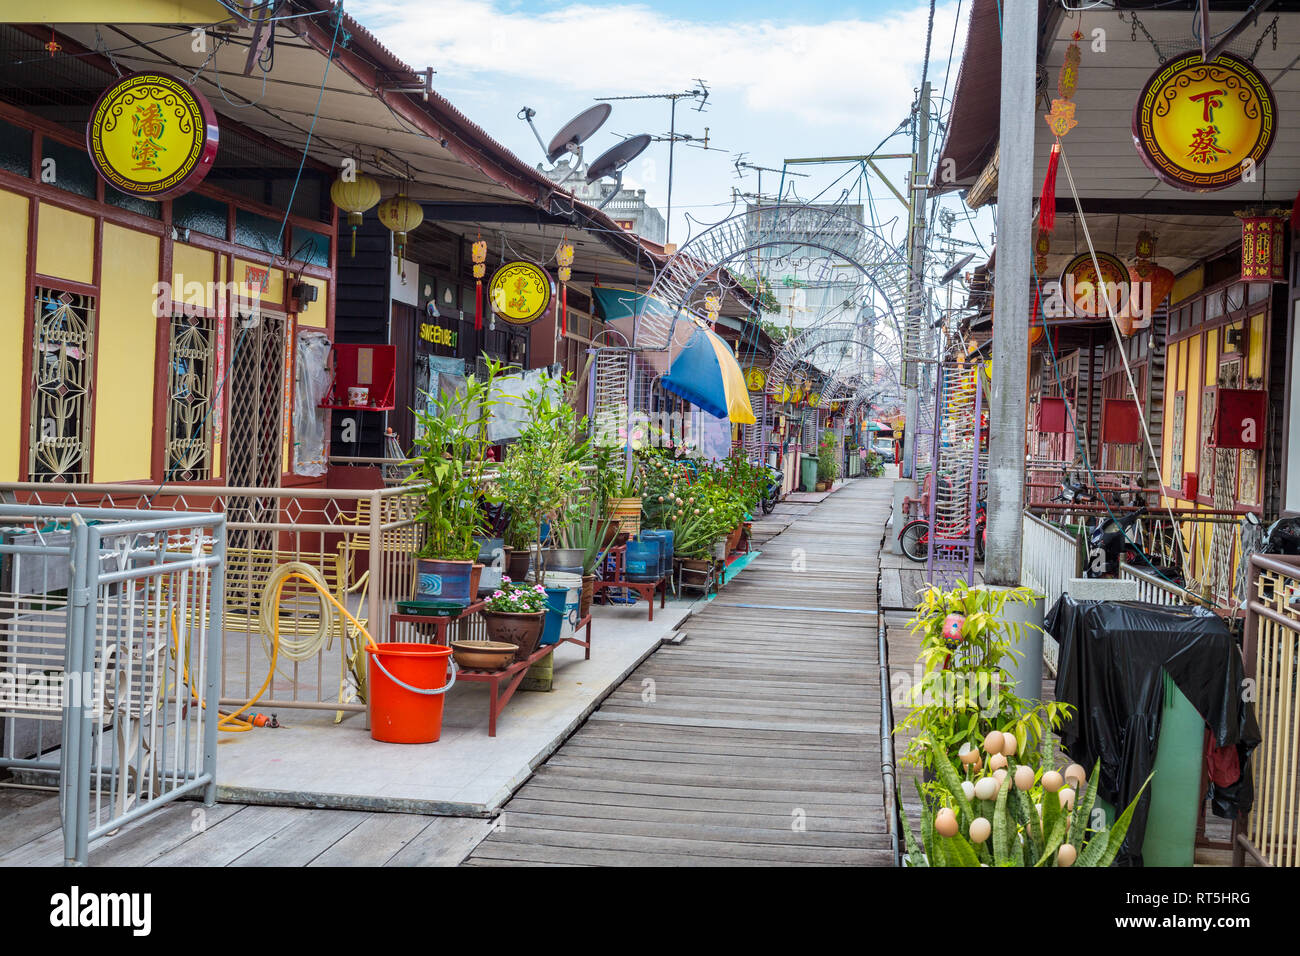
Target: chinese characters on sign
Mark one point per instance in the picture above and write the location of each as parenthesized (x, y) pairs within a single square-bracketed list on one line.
[(152, 136), (1202, 126), (519, 292)]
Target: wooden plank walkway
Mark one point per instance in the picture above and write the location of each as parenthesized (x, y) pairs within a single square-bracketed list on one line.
[(187, 834), (756, 741)]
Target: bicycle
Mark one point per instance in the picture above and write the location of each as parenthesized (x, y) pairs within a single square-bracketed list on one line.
[(914, 538)]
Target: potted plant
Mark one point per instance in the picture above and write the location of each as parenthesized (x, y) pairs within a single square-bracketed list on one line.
[(1024, 813), (542, 469), (514, 614), (828, 466), (449, 469), (965, 691), (585, 532)]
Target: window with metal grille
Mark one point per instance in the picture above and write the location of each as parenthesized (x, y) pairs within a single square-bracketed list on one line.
[(190, 381), (61, 391)]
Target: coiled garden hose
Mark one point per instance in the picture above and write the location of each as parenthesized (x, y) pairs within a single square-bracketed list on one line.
[(233, 722)]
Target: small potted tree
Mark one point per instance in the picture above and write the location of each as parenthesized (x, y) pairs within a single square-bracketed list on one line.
[(450, 466), (543, 469)]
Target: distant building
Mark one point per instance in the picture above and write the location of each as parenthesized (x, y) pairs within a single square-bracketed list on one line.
[(629, 208)]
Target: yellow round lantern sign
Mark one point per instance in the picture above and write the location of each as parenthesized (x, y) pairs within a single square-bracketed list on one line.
[(814, 399), (519, 292), (1199, 126), (784, 395), (1084, 296), (755, 379), (152, 136)]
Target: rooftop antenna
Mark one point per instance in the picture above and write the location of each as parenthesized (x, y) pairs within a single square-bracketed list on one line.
[(613, 161), (700, 94)]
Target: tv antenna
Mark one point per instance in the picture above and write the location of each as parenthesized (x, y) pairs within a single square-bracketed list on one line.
[(569, 140), (614, 160), (700, 94)]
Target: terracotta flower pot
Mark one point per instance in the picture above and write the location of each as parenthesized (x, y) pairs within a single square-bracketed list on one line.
[(517, 564), (521, 630)]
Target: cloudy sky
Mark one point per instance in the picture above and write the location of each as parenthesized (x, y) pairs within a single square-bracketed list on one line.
[(786, 79)]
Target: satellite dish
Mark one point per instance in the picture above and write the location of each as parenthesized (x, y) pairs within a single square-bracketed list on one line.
[(577, 131), (952, 273), (612, 161)]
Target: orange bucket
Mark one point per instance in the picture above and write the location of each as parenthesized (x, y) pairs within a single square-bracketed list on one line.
[(407, 682)]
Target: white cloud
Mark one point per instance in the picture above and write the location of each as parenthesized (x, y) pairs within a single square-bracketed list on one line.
[(840, 72)]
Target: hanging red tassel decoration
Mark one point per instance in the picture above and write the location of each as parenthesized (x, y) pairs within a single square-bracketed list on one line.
[(478, 252), (1047, 201), (564, 257)]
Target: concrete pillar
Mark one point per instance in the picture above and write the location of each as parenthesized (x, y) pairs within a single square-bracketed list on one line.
[(1007, 399)]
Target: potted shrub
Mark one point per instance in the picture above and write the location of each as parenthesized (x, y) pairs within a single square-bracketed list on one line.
[(543, 468), (965, 635), (1025, 813), (449, 467), (514, 614), (584, 532), (828, 465)]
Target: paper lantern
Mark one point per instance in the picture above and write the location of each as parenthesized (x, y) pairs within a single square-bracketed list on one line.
[(1146, 245), (1261, 244), (564, 260), (1148, 286), (355, 197), (401, 216), (952, 627)]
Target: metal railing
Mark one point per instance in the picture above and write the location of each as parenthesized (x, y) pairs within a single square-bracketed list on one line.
[(1049, 558), (1270, 834), (359, 545), (1153, 589), (111, 629)]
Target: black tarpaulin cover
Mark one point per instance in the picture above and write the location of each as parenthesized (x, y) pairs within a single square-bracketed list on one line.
[(1110, 668)]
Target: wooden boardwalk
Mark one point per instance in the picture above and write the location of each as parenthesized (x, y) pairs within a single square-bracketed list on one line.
[(756, 741)]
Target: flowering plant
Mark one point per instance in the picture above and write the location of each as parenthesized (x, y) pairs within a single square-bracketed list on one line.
[(517, 598)]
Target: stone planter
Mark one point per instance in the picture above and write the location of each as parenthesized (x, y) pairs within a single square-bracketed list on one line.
[(522, 630)]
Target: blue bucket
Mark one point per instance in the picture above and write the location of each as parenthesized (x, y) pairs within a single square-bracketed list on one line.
[(442, 580), (561, 608), (665, 538), (641, 562)]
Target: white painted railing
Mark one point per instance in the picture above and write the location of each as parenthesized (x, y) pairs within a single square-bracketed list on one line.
[(1049, 558), (1155, 590)]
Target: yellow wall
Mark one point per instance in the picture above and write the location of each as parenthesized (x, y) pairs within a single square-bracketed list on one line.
[(13, 316), (192, 276), (317, 312), (65, 245), (1187, 284), (127, 339)]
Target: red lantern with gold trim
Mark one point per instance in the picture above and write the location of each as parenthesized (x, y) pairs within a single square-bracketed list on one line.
[(1261, 244)]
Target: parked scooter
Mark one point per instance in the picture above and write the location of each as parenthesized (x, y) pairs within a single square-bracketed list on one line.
[(772, 493), (1110, 540)]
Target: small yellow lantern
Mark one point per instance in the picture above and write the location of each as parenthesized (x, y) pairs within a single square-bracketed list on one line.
[(401, 216), (355, 196)]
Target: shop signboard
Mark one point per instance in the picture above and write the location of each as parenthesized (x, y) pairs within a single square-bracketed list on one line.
[(1204, 126), (152, 136), (436, 334), (519, 292)]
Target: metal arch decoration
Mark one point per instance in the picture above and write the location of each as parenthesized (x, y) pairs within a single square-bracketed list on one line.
[(1198, 126), (152, 136), (717, 254)]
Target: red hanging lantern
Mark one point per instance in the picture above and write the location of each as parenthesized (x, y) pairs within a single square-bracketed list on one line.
[(1261, 244)]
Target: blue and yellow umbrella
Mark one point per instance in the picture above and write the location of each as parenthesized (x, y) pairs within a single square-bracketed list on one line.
[(706, 374)]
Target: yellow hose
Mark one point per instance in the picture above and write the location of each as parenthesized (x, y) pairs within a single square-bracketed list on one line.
[(232, 722)]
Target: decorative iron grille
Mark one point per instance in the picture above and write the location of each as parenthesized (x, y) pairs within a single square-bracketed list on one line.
[(190, 378), (63, 345), (256, 435)]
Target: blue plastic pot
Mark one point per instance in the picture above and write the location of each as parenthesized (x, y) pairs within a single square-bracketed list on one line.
[(641, 562), (443, 580), (665, 539)]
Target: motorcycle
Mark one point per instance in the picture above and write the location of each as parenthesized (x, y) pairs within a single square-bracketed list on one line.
[(1111, 539), (771, 493)]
